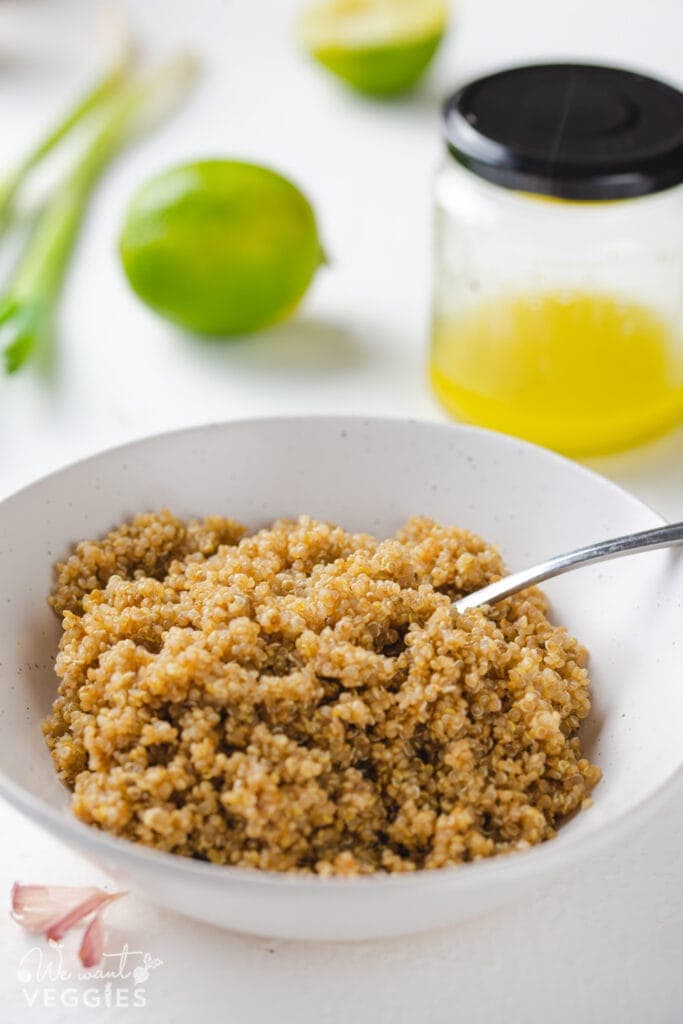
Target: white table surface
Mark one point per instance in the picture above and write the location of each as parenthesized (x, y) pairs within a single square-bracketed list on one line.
[(604, 945)]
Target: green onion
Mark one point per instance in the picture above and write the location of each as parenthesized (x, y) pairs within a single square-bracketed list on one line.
[(26, 310), (90, 101)]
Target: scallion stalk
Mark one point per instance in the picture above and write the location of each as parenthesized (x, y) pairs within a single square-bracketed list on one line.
[(26, 309), (97, 95)]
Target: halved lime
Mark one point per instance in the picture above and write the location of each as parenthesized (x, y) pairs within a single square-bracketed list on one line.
[(380, 47)]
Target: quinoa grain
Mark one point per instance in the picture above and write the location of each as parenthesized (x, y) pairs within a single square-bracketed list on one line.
[(304, 699)]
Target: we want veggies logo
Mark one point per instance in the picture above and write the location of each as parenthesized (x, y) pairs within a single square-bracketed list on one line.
[(104, 979), (118, 982)]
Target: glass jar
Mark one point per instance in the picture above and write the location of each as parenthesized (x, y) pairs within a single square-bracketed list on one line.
[(558, 293)]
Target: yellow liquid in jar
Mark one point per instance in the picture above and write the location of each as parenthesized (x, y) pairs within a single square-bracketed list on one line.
[(583, 373)]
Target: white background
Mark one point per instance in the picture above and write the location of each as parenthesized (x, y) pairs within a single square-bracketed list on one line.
[(607, 944)]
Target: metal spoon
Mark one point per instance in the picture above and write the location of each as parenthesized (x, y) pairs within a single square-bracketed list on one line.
[(646, 540)]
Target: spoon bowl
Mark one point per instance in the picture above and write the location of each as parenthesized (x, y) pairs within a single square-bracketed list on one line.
[(366, 475)]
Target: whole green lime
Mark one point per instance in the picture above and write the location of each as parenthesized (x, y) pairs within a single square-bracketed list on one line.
[(220, 246)]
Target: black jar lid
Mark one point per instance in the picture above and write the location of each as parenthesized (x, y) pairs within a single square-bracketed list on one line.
[(575, 131)]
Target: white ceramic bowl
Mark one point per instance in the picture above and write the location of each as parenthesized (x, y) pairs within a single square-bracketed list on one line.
[(364, 474)]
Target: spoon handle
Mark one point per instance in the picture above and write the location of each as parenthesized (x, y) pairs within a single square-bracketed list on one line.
[(603, 551)]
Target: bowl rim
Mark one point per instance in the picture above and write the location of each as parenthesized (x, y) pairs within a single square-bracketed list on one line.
[(519, 865)]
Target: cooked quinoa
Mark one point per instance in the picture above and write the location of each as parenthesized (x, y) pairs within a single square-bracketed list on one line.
[(304, 699)]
